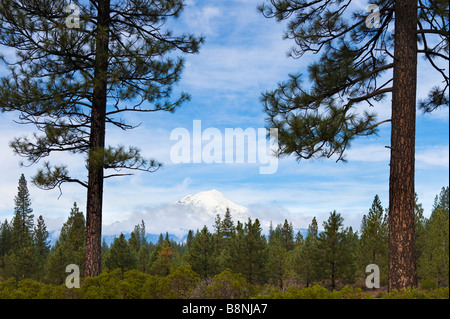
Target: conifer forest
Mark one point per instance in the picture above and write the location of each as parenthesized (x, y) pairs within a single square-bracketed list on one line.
[(232, 260)]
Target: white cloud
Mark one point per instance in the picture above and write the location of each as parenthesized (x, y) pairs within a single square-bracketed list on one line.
[(369, 153), (202, 20), (243, 56), (430, 157)]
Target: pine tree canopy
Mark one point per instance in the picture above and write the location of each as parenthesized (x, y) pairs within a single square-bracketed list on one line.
[(22, 208), (73, 78), (23, 220), (51, 81), (317, 114)]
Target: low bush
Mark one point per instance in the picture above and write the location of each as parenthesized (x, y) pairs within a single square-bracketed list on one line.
[(228, 285), (414, 293), (29, 289), (183, 282)]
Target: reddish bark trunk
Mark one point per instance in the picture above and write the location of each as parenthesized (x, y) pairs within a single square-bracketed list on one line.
[(97, 146), (402, 267)]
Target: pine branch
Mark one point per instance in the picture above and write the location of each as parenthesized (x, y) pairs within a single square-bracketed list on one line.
[(370, 95)]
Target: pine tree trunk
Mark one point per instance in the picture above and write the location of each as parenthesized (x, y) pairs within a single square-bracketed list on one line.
[(333, 277), (92, 265), (402, 267)]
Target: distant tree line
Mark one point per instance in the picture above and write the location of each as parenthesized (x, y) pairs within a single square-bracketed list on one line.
[(333, 257)]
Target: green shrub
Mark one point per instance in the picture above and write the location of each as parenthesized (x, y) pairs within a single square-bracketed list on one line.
[(183, 281), (348, 292), (428, 284), (414, 293), (156, 287), (228, 285), (7, 288), (132, 285), (52, 292), (103, 286), (314, 292), (29, 289)]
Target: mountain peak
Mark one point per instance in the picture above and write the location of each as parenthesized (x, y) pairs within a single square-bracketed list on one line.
[(213, 202)]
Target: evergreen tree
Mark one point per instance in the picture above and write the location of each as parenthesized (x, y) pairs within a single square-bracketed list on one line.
[(224, 229), (40, 237), (42, 244), (167, 240), (121, 255), (248, 252), (277, 261), (434, 261), (350, 247), (137, 238), (189, 239), (139, 245), (69, 248), (281, 242), (23, 220), (160, 240), (298, 239), (64, 76), (334, 260), (287, 236), (163, 258), (218, 227), (373, 244), (228, 227), (5, 241), (105, 246), (143, 259), (361, 61), (305, 256), (21, 262), (202, 255), (22, 259), (271, 231), (419, 230)]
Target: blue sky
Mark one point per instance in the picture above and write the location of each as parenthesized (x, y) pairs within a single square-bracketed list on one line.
[(243, 55)]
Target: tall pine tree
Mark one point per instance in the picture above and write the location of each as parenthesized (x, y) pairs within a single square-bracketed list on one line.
[(335, 258), (434, 260), (23, 220), (5, 241), (121, 255), (22, 258), (248, 252), (69, 248), (373, 243), (71, 80), (362, 60), (224, 230), (202, 257), (306, 254), (42, 244)]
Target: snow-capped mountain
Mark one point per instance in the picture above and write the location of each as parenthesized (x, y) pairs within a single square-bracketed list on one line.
[(192, 212), (210, 203), (177, 218)]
